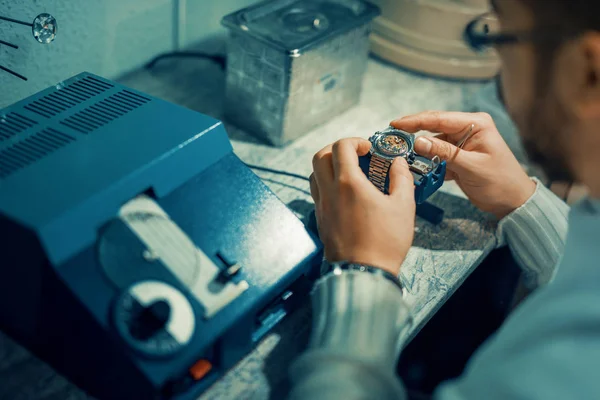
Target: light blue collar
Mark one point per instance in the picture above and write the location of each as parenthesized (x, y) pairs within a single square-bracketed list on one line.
[(587, 207)]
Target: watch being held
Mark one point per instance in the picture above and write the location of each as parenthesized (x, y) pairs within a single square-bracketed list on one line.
[(385, 147), (391, 143)]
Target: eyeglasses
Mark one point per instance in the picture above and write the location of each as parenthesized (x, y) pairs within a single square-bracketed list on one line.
[(484, 32)]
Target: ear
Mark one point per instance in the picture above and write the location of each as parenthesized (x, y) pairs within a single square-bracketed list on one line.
[(589, 105)]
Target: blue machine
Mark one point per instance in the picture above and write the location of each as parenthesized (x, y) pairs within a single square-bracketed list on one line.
[(140, 257)]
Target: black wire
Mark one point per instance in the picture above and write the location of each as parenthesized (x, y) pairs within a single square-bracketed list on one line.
[(12, 72), (16, 21), (306, 192), (14, 46), (217, 58), (276, 171)]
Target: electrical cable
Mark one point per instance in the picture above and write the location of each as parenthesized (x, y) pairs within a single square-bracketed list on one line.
[(427, 211), (14, 46), (306, 192), (279, 172), (13, 72), (16, 21), (217, 58)]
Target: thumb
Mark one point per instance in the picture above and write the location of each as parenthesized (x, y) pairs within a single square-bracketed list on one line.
[(430, 147), (401, 179)]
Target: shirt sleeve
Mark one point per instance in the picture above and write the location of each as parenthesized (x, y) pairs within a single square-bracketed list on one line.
[(535, 234), (358, 319)]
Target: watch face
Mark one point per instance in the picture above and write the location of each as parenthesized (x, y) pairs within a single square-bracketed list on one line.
[(393, 145)]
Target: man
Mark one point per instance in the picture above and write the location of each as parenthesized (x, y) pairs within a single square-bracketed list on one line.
[(550, 346)]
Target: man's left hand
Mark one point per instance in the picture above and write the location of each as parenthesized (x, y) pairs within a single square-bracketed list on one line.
[(357, 223)]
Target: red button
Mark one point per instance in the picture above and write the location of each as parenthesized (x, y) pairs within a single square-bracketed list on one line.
[(200, 369)]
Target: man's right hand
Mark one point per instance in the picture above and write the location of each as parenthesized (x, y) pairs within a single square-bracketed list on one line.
[(485, 168)]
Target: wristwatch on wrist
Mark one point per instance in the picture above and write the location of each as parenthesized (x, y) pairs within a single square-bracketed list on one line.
[(338, 267), (386, 145)]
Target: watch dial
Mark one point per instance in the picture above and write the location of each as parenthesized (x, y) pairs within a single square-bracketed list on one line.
[(393, 145)]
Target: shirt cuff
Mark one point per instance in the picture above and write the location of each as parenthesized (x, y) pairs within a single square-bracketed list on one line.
[(536, 233), (359, 315)]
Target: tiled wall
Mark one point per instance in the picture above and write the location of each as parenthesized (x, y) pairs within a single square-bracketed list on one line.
[(105, 37)]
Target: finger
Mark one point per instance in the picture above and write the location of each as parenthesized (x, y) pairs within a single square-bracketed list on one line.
[(441, 136), (430, 147), (449, 176), (401, 180), (314, 188), (346, 153), (450, 123), (323, 168)]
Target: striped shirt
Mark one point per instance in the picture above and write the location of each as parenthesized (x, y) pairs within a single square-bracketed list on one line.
[(548, 348)]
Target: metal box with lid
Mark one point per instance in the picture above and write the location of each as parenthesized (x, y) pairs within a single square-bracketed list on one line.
[(294, 64)]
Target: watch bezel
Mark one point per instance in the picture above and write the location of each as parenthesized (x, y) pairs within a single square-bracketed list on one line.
[(374, 139)]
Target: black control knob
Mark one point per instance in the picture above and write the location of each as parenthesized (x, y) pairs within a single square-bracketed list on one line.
[(151, 319), (154, 318)]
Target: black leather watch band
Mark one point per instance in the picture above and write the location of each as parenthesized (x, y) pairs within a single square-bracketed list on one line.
[(338, 267)]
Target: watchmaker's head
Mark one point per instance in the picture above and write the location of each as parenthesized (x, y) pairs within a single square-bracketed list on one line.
[(550, 54)]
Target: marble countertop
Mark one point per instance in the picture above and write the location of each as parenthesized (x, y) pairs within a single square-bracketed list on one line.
[(440, 260)]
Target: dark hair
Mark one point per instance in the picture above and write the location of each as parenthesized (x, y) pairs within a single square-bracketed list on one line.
[(573, 17), (577, 15)]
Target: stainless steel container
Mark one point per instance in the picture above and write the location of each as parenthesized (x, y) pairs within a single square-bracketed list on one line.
[(294, 64)]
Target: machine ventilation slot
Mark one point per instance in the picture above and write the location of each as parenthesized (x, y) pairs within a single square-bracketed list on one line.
[(32, 149), (105, 111), (12, 124), (68, 96)]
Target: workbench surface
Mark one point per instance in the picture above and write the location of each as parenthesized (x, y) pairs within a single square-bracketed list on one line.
[(440, 260)]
